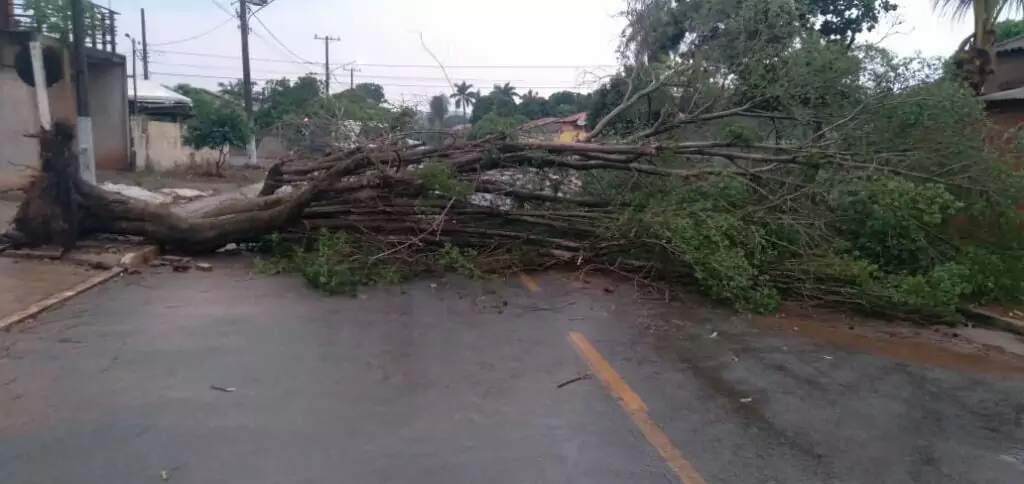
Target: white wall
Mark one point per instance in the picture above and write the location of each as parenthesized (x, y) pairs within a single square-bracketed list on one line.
[(160, 148), (19, 156)]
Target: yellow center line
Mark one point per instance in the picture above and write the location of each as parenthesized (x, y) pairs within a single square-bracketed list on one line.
[(529, 282), (637, 410)]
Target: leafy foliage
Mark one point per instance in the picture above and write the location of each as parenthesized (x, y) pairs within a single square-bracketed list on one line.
[(850, 176), (216, 124), (492, 103), (371, 91), (464, 97), (671, 25), (495, 124), (438, 110)]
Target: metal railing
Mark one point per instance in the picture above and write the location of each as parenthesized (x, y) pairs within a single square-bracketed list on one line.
[(53, 18)]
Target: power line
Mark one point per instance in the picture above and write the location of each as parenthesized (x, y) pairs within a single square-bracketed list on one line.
[(480, 80), (445, 86), (194, 37), (407, 66), (285, 47)]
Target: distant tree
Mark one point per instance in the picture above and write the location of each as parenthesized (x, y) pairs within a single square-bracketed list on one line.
[(494, 102), (464, 96), (283, 99), (533, 106), (563, 98), (438, 110), (507, 91), (233, 90), (1008, 29), (564, 103), (494, 124), (371, 91), (454, 120)]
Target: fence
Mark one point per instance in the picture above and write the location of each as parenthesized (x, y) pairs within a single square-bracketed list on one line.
[(53, 18)]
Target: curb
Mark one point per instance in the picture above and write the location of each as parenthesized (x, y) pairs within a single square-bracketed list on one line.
[(995, 321), (134, 259)]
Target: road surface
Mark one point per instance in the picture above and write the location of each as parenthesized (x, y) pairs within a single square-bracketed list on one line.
[(227, 377)]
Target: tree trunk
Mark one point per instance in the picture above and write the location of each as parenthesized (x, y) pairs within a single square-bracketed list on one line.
[(60, 207)]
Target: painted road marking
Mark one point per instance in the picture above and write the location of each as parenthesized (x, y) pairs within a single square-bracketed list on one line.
[(637, 410), (529, 282)]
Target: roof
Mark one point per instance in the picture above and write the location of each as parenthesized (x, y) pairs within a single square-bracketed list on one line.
[(1010, 45), (152, 92), (536, 123), (1007, 95), (578, 118)]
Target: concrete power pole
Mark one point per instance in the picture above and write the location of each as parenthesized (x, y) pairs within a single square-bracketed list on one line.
[(243, 17), (83, 125), (352, 70), (327, 61), (145, 47)]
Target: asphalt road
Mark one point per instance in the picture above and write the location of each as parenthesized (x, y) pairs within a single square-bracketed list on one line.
[(445, 382)]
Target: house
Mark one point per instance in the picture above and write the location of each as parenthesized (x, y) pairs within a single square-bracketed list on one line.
[(158, 130), (108, 100), (569, 129)]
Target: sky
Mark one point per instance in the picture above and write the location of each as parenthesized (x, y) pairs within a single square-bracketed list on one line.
[(544, 45)]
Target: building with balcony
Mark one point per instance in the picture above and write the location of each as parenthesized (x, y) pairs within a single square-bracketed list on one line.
[(49, 21)]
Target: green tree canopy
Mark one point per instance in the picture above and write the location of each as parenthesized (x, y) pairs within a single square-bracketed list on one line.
[(371, 91), (666, 25), (438, 110), (1008, 29), (464, 96), (496, 103), (506, 90), (216, 123), (534, 106)]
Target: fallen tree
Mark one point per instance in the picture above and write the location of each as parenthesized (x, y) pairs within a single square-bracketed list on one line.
[(817, 185)]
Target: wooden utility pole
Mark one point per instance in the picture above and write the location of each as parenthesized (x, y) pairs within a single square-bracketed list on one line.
[(83, 125), (145, 48), (327, 61)]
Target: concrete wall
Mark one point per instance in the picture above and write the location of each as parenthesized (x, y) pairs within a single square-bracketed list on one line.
[(108, 103), (19, 156), (1009, 73), (161, 149)]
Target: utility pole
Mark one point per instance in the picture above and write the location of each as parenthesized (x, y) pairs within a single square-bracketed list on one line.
[(327, 61), (83, 125), (243, 17), (352, 70), (134, 118), (145, 47)]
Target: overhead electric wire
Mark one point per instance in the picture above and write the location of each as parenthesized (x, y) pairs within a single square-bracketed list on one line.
[(194, 37), (285, 47), (407, 66), (481, 80), (444, 86)]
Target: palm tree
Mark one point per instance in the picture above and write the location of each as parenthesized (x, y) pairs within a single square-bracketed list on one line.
[(959, 9), (438, 110), (981, 58), (507, 91), (464, 97)]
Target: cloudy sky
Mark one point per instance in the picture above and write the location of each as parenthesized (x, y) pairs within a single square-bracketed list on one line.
[(545, 45)]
